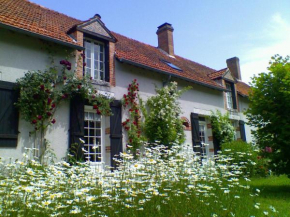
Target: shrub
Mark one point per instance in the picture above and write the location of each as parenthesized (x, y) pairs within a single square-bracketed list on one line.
[(247, 157), (162, 123)]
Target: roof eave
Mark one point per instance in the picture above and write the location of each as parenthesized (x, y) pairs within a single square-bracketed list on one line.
[(47, 38), (167, 73)]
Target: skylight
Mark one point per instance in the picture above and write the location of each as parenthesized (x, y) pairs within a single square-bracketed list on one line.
[(171, 65)]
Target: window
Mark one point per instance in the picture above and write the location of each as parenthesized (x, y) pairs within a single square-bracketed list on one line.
[(95, 59), (202, 137), (171, 65), (8, 115), (94, 144), (229, 96)]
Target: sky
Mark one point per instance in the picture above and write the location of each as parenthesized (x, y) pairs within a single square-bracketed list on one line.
[(207, 32)]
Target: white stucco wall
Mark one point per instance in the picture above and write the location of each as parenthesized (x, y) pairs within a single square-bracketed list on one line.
[(199, 99), (18, 54)]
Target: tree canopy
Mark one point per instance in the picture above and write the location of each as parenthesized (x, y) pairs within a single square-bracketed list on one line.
[(269, 113)]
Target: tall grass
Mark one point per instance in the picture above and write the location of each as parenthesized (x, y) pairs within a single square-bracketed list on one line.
[(160, 183)]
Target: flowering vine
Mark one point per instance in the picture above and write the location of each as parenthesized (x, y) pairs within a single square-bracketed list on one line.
[(132, 124), (41, 92)]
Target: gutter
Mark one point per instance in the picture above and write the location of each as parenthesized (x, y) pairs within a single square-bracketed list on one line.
[(167, 73), (47, 38)]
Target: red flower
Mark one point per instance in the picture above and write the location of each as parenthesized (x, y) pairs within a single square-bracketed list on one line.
[(130, 140), (134, 122), (68, 67), (53, 121), (127, 128), (91, 78), (79, 86), (135, 80), (49, 101), (95, 106), (39, 117), (98, 112), (124, 96), (93, 96), (62, 62), (84, 64), (64, 77), (34, 121), (42, 87), (53, 105), (48, 113), (124, 123), (127, 120)]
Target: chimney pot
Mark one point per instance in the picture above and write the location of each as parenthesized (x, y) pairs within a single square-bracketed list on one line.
[(165, 38), (234, 66), (97, 16)]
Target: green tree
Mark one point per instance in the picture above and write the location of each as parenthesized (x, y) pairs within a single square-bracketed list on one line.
[(269, 113)]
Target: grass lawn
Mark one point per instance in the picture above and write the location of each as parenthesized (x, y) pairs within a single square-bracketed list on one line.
[(275, 191)]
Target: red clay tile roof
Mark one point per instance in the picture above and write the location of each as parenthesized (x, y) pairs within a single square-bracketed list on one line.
[(243, 89), (151, 57), (34, 18), (217, 74)]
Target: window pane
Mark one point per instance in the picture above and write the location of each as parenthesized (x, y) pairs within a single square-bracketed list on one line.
[(102, 76), (88, 62), (101, 47), (96, 76), (102, 57), (101, 66)]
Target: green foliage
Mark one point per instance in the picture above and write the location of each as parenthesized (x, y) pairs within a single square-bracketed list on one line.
[(133, 124), (163, 123), (41, 92), (269, 113), (247, 157), (222, 128)]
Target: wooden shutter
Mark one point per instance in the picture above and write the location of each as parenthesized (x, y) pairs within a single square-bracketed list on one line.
[(77, 113), (107, 62), (8, 115), (242, 130), (116, 131), (234, 98), (195, 132)]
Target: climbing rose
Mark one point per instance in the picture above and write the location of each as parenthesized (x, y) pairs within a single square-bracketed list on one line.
[(53, 121)]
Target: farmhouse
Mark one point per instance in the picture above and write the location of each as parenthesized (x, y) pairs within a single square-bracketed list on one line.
[(27, 30)]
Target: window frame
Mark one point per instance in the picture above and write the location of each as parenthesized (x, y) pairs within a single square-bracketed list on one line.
[(229, 96), (204, 148), (102, 137), (105, 60)]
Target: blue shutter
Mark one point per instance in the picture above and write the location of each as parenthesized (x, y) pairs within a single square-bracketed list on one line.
[(8, 115), (116, 131), (195, 132)]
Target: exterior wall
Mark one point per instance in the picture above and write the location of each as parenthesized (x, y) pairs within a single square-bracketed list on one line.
[(18, 54), (199, 99)]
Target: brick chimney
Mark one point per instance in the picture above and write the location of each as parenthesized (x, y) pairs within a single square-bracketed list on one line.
[(234, 66), (165, 38)]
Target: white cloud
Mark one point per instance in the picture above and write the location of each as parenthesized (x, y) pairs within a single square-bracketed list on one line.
[(274, 39)]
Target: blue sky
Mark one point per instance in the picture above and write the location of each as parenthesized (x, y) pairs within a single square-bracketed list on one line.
[(207, 32)]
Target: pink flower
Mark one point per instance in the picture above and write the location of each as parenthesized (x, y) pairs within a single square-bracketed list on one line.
[(34, 121), (39, 117), (268, 149)]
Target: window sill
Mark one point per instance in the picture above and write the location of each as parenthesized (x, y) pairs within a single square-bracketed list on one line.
[(101, 83)]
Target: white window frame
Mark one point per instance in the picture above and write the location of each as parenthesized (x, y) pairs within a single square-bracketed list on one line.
[(92, 66), (100, 163), (204, 144), (229, 96)]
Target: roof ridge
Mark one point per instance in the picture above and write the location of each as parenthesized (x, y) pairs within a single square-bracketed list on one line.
[(134, 39), (38, 5)]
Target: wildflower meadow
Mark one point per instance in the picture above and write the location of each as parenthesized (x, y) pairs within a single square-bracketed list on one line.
[(161, 182)]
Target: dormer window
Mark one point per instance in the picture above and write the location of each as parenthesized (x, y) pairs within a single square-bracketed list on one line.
[(231, 96), (95, 60)]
